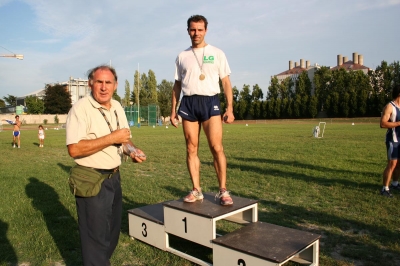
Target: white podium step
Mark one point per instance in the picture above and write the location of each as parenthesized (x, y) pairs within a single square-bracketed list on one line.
[(147, 224), (197, 221), (266, 244)]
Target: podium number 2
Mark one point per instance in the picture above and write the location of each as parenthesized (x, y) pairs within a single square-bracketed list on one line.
[(184, 221), (241, 262), (144, 232)]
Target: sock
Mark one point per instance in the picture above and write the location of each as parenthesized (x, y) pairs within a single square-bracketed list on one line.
[(395, 183), (385, 188)]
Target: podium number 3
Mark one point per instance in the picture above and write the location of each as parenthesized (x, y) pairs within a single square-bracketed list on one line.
[(184, 221), (241, 262), (144, 232)]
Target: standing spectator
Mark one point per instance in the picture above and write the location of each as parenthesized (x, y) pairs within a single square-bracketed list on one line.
[(16, 130), (391, 120), (96, 127), (41, 136)]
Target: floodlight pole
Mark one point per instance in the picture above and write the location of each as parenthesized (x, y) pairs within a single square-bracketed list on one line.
[(138, 97), (18, 56)]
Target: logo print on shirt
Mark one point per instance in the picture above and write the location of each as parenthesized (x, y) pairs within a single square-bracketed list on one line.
[(208, 59)]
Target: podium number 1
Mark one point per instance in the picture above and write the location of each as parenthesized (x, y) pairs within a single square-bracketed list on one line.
[(184, 220)]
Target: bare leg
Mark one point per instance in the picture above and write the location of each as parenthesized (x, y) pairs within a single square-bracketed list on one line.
[(213, 131), (191, 131), (388, 172), (396, 173)]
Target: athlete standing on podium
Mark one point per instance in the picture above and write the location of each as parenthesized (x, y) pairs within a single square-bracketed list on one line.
[(198, 70)]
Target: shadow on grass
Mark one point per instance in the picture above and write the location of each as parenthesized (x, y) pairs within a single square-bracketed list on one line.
[(7, 253), (65, 168), (61, 225), (320, 181)]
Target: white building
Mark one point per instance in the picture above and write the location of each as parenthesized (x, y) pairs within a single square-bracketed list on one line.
[(77, 88)]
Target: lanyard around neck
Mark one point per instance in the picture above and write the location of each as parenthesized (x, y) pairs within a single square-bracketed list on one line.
[(108, 122)]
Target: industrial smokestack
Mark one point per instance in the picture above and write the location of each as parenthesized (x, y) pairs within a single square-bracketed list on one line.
[(290, 65), (339, 60), (361, 59), (308, 64), (302, 65), (345, 59), (355, 58)]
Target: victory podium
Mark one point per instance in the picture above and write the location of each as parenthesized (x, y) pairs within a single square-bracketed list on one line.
[(256, 243)]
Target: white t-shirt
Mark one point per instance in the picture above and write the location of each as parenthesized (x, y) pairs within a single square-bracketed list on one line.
[(41, 134), (188, 70)]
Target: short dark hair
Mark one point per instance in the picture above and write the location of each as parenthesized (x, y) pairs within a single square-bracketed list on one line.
[(90, 73), (396, 91), (197, 18), (16, 116)]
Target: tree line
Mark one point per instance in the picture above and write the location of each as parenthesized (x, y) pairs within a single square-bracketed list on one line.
[(337, 93)]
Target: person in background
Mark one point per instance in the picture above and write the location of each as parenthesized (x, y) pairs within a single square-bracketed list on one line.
[(16, 131), (41, 136), (390, 119)]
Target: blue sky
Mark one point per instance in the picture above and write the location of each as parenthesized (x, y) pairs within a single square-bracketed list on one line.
[(65, 38)]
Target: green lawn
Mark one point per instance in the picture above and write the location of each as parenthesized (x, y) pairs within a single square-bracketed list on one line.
[(329, 186)]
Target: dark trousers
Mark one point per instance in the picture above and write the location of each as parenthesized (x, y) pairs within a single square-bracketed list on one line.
[(99, 220)]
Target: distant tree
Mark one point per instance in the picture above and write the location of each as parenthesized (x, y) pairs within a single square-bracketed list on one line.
[(10, 100), (322, 79), (57, 99), (255, 102), (297, 106), (221, 96), (244, 102), (164, 92), (152, 87), (2, 103), (126, 100), (34, 105), (116, 96), (135, 88), (313, 107), (273, 89), (344, 105), (144, 93), (270, 108), (277, 108), (235, 93)]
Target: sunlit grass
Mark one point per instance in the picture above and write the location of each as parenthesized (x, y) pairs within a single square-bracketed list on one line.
[(329, 186)]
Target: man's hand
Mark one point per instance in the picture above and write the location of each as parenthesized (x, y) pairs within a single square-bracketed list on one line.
[(174, 117), (138, 156), (228, 117), (120, 136)]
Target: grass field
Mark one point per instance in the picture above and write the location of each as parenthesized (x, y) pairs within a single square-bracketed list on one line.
[(329, 186)]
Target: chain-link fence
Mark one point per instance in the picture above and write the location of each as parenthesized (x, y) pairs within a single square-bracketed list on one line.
[(143, 116)]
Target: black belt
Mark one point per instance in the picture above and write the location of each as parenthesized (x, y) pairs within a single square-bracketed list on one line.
[(107, 171)]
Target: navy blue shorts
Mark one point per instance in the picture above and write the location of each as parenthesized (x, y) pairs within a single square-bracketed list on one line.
[(392, 150), (199, 108)]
